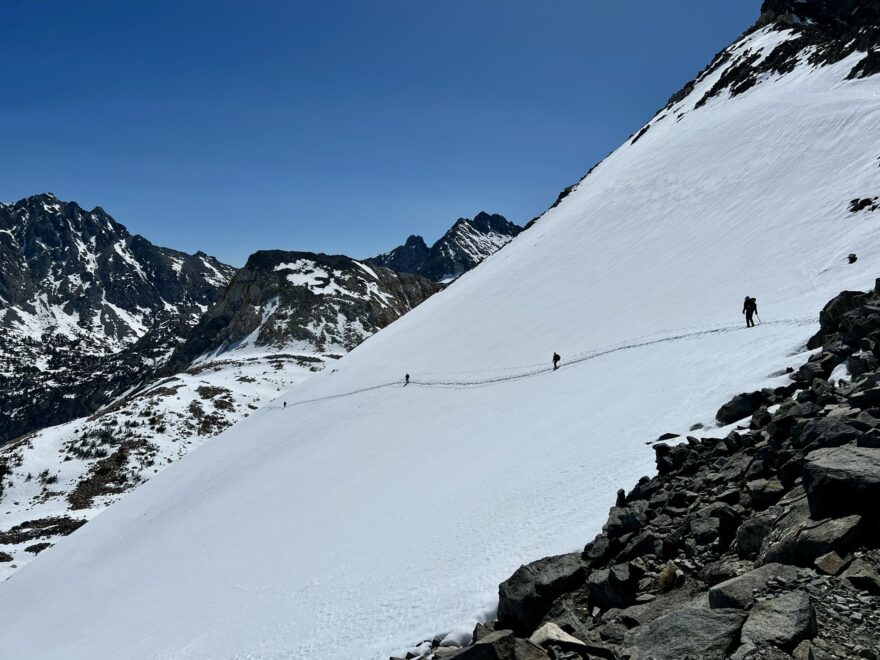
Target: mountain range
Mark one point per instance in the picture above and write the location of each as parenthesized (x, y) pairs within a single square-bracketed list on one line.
[(353, 514)]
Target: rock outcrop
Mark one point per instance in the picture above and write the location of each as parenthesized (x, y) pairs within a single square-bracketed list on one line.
[(301, 301), (464, 246)]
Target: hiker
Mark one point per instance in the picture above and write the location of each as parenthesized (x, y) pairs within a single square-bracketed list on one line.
[(852, 258), (285, 404), (406, 381), (556, 360), (750, 308)]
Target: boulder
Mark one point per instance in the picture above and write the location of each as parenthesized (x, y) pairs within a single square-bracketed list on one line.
[(826, 432), (751, 534), (843, 481), (5, 557), (525, 597), (765, 492), (503, 645), (862, 575), (550, 633), (832, 563), (615, 586), (739, 592), (739, 407), (782, 622), (689, 632)]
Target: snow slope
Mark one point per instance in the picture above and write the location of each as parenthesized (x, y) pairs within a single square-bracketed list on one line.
[(62, 476), (350, 526)]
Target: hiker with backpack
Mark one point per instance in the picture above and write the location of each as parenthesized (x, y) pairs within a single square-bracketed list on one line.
[(750, 309), (556, 360)]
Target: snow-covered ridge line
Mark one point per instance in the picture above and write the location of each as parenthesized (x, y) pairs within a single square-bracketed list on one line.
[(89, 309)]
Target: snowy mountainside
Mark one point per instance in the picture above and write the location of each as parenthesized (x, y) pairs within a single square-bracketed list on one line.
[(461, 248), (366, 514), (301, 301), (284, 316), (56, 479), (86, 308)]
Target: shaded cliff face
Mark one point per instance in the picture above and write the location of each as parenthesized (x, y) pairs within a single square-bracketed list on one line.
[(825, 13), (304, 302), (463, 247), (86, 309)]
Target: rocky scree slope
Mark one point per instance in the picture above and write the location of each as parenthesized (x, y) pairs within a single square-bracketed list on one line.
[(315, 304), (763, 543), (463, 247), (87, 309)]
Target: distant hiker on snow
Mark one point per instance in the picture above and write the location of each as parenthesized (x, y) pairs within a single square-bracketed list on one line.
[(406, 381), (285, 404), (556, 360), (750, 308)]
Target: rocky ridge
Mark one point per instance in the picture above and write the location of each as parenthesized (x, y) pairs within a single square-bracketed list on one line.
[(87, 310), (763, 543), (302, 302), (463, 247)]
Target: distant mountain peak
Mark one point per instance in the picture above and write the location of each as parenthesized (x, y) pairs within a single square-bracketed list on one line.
[(467, 243), (822, 13), (101, 306)]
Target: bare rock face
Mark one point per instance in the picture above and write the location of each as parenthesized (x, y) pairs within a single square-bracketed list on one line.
[(842, 481), (304, 301), (463, 247), (86, 309)]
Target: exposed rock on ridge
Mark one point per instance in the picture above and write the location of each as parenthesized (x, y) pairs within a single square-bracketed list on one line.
[(87, 310), (461, 248), (315, 303)]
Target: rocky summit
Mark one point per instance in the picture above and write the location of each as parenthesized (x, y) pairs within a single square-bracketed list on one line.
[(762, 543), (306, 302), (87, 309), (464, 246)]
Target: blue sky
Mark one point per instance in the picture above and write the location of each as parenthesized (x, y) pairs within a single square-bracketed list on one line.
[(333, 126)]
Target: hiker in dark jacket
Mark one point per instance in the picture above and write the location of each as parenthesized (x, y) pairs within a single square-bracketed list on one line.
[(750, 308), (556, 360)]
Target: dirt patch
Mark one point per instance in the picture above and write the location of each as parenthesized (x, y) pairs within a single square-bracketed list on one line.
[(210, 391), (39, 529), (107, 477), (37, 548)]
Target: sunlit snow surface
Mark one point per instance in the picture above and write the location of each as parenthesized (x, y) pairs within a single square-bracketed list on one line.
[(354, 526)]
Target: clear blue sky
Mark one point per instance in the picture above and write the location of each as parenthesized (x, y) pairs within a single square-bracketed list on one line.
[(330, 125)]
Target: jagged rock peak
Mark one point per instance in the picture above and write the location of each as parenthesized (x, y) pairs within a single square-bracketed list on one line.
[(821, 12), (98, 307), (467, 243)]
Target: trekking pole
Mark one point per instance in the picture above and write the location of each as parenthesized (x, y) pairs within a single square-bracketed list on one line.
[(758, 316)]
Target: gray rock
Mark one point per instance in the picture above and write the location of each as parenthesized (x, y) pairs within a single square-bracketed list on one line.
[(751, 534), (765, 492), (690, 632), (832, 563), (551, 633), (843, 481), (526, 596), (739, 592), (739, 407), (503, 645), (782, 622), (615, 586), (862, 575), (826, 432)]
